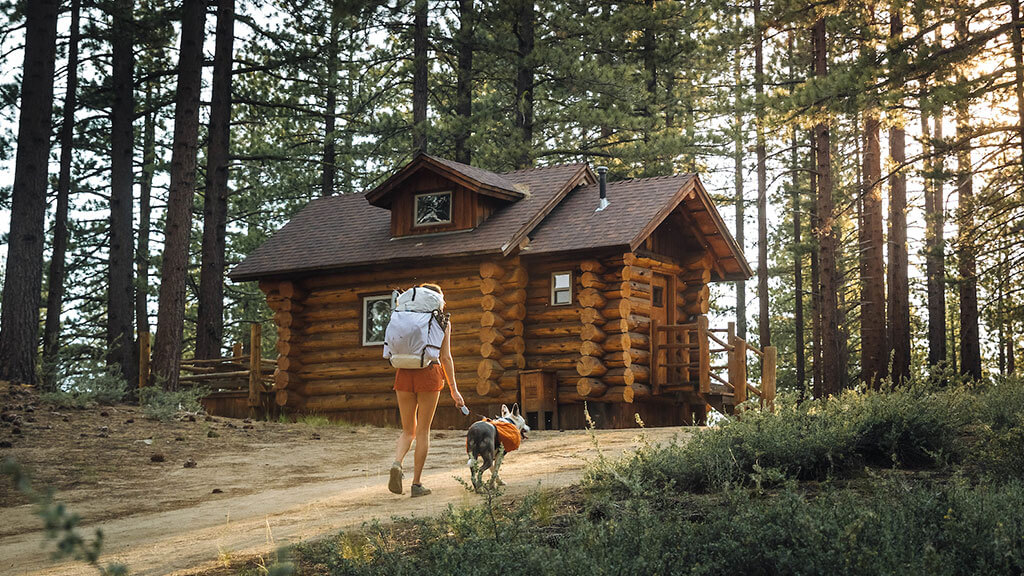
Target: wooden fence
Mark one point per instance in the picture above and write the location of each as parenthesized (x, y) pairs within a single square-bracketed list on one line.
[(226, 376)]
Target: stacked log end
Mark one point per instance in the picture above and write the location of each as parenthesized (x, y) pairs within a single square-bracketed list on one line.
[(502, 342), (286, 300)]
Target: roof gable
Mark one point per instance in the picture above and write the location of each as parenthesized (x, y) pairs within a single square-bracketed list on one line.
[(475, 179)]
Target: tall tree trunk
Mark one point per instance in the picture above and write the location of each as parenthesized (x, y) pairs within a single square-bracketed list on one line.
[(171, 313), (872, 275), (120, 289), (832, 367), (524, 81), (739, 145), (55, 289), (1018, 70), (970, 343), (898, 273), (210, 325), (145, 193), (464, 82), (419, 77), (764, 332), (935, 266), (798, 274), (19, 318), (815, 274), (328, 171), (871, 251), (798, 252)]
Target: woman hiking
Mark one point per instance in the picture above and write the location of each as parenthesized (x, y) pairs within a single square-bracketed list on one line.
[(418, 390)]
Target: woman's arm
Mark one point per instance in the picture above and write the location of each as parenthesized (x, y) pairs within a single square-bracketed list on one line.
[(449, 366)]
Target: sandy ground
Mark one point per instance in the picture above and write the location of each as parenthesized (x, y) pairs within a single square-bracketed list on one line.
[(255, 485)]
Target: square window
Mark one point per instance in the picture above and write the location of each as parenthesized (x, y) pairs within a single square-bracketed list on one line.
[(376, 315), (433, 208), (658, 296), (561, 288)]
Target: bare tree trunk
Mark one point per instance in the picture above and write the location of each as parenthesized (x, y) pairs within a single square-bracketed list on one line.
[(764, 331), (935, 266), (970, 343), (898, 277), (798, 252), (832, 367), (145, 193), (524, 81), (419, 77), (210, 325), (872, 274), (464, 82), (120, 289), (328, 171), (171, 313), (55, 290), (739, 145), (1018, 70), (19, 318), (815, 275)]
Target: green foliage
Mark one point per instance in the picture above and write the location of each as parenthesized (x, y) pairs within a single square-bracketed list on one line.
[(910, 427), (105, 386), (160, 404), (61, 525)]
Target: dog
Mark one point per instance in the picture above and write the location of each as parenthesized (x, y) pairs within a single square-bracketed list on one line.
[(491, 440)]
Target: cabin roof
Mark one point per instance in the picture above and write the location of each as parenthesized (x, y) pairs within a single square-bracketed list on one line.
[(553, 212), (636, 207), (479, 180), (346, 231)]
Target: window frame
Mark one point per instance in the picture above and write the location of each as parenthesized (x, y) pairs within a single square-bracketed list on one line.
[(555, 290), (364, 313), (415, 208)]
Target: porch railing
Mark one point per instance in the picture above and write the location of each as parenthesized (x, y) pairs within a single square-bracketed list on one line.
[(709, 362)]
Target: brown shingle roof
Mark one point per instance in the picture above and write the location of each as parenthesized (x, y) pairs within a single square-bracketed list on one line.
[(345, 231), (636, 207)]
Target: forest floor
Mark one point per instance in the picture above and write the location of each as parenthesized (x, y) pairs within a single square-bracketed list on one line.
[(254, 485)]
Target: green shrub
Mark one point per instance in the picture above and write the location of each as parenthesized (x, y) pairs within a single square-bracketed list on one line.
[(913, 426), (998, 440), (105, 387), (160, 404)]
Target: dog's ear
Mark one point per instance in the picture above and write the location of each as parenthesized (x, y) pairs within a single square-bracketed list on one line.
[(504, 411), (515, 409)]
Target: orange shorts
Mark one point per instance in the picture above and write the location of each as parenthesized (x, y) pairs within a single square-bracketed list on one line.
[(429, 379)]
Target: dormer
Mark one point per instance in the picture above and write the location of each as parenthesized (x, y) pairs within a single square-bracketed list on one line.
[(432, 195)]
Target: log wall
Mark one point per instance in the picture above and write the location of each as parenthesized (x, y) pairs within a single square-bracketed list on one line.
[(324, 368)]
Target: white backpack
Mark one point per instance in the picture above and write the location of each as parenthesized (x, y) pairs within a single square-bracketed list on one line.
[(414, 335)]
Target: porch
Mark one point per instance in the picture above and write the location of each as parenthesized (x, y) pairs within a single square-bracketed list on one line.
[(710, 365)]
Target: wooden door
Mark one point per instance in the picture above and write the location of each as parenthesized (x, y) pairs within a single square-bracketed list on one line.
[(660, 306)]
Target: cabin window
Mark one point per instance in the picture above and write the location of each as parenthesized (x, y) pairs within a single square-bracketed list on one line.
[(658, 296), (376, 315), (561, 288), (433, 208)]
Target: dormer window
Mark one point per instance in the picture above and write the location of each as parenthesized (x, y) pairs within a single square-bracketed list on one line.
[(433, 208)]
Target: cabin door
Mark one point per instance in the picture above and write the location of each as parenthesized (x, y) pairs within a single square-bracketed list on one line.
[(661, 305)]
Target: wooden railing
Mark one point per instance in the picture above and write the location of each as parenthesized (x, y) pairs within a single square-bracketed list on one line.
[(230, 374), (693, 357)]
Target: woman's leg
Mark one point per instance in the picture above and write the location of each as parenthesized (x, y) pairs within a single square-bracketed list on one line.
[(426, 403), (407, 408)]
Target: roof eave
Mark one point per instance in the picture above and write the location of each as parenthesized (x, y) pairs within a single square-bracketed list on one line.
[(583, 172)]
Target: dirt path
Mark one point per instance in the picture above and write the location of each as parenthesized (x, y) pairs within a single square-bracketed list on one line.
[(278, 484)]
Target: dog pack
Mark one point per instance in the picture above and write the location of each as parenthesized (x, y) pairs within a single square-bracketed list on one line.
[(414, 335)]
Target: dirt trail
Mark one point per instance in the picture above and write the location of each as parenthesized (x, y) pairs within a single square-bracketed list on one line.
[(279, 484)]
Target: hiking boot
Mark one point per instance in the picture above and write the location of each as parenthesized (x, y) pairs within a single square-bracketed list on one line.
[(419, 490), (395, 483)]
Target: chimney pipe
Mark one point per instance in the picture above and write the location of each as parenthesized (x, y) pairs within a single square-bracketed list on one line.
[(602, 172)]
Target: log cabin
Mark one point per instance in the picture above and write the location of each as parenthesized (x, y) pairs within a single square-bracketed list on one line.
[(564, 290)]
